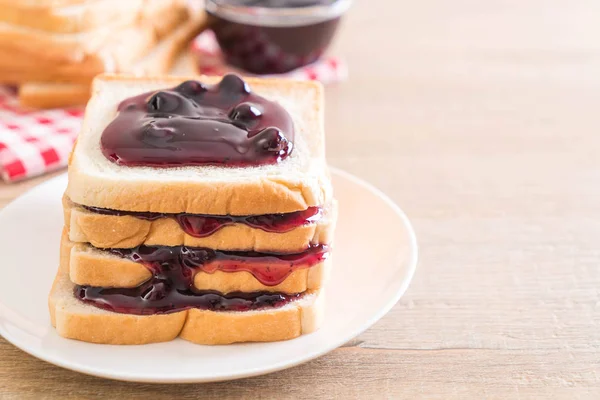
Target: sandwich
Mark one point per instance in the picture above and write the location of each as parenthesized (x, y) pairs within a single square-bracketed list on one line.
[(196, 208)]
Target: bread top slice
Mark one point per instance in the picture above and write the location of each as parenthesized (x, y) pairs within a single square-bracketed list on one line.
[(296, 183)]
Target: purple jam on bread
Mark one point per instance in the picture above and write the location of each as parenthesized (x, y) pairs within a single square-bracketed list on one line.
[(197, 124), (171, 287), (157, 297), (203, 225)]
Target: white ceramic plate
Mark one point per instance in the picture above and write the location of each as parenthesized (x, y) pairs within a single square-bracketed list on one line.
[(375, 259)]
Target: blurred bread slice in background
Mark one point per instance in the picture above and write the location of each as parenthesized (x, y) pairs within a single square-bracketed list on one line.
[(53, 95), (53, 49), (159, 60), (159, 16), (69, 18), (119, 53)]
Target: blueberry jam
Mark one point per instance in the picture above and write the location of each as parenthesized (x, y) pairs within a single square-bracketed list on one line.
[(262, 45), (200, 225), (197, 124), (171, 287), (163, 297)]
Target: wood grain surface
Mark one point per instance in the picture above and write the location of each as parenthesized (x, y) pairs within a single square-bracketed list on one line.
[(481, 119)]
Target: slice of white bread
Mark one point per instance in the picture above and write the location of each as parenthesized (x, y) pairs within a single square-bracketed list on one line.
[(43, 3), (119, 53), (94, 267), (53, 94), (158, 61), (111, 231), (73, 48), (76, 320), (70, 18), (296, 183)]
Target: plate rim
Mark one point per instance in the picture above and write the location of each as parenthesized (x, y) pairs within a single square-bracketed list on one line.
[(129, 377)]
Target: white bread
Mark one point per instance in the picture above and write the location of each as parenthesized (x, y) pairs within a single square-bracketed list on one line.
[(32, 4), (53, 94), (119, 53), (76, 320), (296, 183), (73, 48), (93, 267), (71, 18), (158, 61), (111, 231)]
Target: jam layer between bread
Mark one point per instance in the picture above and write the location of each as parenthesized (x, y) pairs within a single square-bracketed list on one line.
[(202, 225), (162, 299), (196, 124), (171, 287)]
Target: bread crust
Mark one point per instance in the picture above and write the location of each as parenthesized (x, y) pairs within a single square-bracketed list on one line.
[(76, 320), (53, 95), (227, 328), (89, 266), (111, 231), (254, 195), (260, 196)]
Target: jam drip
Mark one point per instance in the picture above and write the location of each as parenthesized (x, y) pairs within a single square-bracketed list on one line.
[(198, 124), (270, 269), (171, 287), (201, 225)]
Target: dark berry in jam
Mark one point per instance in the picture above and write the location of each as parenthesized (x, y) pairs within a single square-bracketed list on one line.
[(287, 34), (171, 287), (198, 124), (199, 225)]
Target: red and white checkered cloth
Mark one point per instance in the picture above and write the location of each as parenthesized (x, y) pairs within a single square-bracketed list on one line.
[(34, 142), (211, 61)]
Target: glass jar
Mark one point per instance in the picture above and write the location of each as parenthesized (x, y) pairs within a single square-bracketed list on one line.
[(274, 36)]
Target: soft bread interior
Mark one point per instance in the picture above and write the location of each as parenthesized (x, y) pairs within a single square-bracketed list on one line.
[(299, 181)]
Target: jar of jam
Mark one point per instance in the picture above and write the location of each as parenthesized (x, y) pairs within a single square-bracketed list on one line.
[(274, 36)]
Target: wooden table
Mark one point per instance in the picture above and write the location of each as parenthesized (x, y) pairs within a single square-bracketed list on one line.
[(481, 119)]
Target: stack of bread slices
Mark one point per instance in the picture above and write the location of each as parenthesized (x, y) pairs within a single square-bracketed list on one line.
[(52, 49), (215, 254)]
